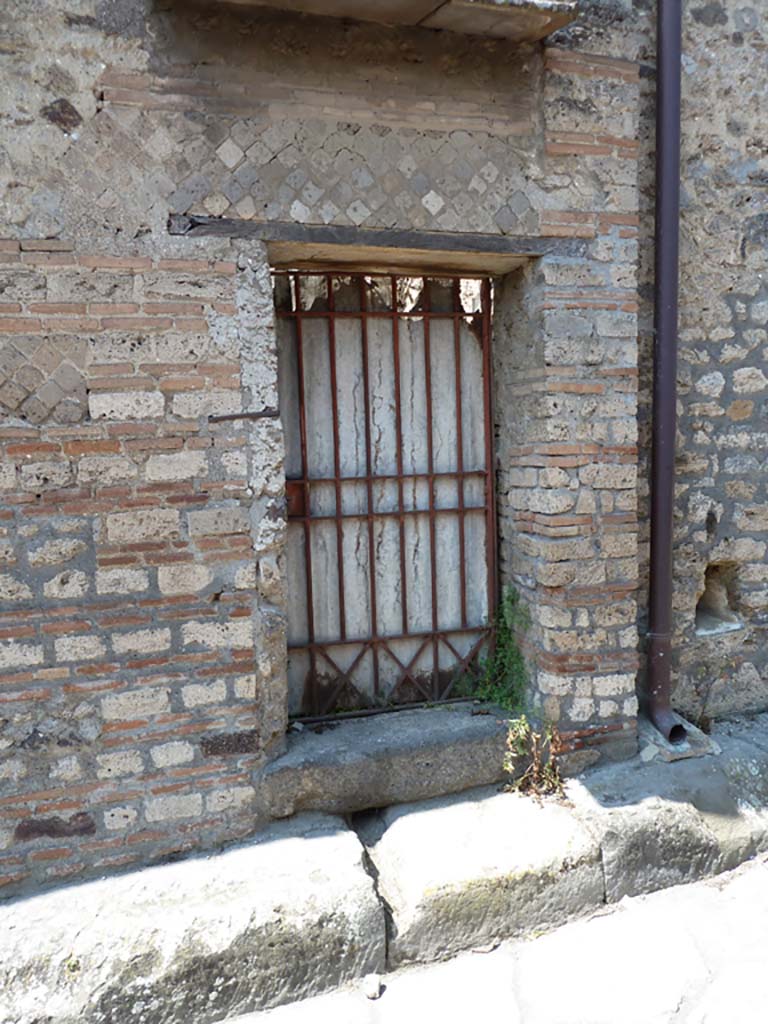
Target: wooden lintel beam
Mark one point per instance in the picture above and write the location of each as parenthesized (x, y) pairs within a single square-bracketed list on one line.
[(338, 235)]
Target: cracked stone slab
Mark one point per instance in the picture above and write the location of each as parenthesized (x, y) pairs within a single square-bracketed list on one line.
[(288, 916), (587, 971), (464, 871)]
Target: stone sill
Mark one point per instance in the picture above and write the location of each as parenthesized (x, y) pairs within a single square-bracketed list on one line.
[(516, 20), (708, 625), (360, 764), (372, 762)]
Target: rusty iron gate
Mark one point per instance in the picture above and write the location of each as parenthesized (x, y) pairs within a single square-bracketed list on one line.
[(385, 395)]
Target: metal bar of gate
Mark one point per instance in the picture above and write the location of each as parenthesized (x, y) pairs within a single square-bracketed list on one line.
[(369, 484), (456, 296), (409, 513), (415, 635), (336, 459), (490, 469), (448, 473), (373, 314), (399, 453), (431, 474), (305, 492)]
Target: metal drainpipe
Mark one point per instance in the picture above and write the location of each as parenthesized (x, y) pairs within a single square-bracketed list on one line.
[(655, 699)]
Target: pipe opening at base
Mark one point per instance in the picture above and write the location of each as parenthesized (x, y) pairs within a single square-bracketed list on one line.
[(677, 734)]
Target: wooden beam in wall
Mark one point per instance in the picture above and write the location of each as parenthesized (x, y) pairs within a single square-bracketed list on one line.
[(390, 249)]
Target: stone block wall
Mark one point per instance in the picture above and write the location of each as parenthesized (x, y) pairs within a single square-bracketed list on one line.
[(723, 472), (142, 516), (721, 468)]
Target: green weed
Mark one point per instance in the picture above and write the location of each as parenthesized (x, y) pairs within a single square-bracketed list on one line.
[(531, 759), (502, 678)]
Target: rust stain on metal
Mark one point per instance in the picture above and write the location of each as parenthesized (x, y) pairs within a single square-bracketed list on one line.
[(294, 493)]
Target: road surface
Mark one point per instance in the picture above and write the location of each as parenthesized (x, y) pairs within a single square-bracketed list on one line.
[(693, 954)]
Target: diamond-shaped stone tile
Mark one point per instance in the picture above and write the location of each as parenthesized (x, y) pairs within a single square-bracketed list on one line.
[(358, 212), (40, 381), (311, 168), (299, 211), (433, 202), (230, 154)]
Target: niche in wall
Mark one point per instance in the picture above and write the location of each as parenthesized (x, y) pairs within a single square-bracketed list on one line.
[(717, 608)]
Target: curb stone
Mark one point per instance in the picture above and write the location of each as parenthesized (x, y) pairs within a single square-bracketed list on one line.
[(290, 915), (469, 870), (461, 871), (586, 972), (662, 824)]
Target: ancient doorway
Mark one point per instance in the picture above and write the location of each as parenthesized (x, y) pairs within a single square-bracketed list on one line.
[(385, 401)]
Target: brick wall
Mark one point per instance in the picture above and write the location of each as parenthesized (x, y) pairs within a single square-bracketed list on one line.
[(135, 705), (566, 362), (142, 634), (567, 496), (143, 649)]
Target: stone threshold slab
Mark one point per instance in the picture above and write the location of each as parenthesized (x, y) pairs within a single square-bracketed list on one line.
[(363, 763)]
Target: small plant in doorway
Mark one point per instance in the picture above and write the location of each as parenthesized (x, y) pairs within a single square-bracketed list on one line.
[(531, 759), (502, 678)]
